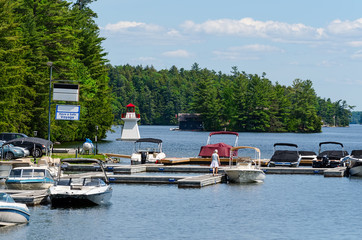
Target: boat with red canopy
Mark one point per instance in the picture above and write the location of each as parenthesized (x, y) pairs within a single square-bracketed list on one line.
[(222, 148)]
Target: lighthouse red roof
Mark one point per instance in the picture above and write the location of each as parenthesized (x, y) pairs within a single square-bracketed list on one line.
[(130, 105)]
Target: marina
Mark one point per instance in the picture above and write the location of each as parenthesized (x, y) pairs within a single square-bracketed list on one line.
[(189, 193)]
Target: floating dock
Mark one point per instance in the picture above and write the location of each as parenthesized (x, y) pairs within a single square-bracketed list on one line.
[(224, 161), (29, 197), (184, 176)]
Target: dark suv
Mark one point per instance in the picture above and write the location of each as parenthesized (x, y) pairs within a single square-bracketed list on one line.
[(10, 136)]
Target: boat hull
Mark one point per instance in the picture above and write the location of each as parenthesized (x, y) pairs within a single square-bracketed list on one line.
[(356, 171), (28, 185), (245, 175), (13, 213), (80, 198)]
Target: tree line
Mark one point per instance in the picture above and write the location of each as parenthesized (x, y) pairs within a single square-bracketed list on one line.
[(237, 101), (34, 33)]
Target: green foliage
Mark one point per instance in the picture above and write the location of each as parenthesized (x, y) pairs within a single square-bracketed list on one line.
[(334, 113), (33, 33), (356, 117), (236, 102)]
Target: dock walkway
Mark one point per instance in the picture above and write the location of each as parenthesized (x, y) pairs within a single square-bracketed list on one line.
[(185, 176)]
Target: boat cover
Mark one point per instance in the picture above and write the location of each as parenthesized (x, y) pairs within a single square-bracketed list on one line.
[(41, 141), (222, 148), (285, 156), (333, 154), (152, 140), (356, 153)]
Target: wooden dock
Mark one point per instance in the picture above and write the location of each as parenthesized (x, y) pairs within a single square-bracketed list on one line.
[(29, 197), (200, 181)]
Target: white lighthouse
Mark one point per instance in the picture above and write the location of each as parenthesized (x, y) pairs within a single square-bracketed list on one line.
[(130, 130)]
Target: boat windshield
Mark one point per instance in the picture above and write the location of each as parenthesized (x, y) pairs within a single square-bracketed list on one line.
[(15, 173), (39, 173), (4, 197), (93, 182), (81, 181)]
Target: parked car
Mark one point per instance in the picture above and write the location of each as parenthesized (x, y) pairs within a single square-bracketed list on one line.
[(36, 146), (10, 136), (9, 151)]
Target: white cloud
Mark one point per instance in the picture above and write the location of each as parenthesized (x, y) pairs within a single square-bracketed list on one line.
[(347, 27), (177, 53), (248, 27), (127, 25)]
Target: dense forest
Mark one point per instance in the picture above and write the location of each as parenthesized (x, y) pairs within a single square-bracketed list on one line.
[(237, 101), (54, 41), (34, 33), (356, 117)]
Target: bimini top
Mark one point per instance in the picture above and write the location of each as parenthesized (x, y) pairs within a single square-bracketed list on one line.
[(337, 143), (223, 132), (41, 141), (152, 140), (286, 144)]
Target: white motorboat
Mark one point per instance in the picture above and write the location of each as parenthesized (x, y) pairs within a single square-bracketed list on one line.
[(147, 150), (244, 169), (86, 191), (354, 163), (11, 212), (29, 178)]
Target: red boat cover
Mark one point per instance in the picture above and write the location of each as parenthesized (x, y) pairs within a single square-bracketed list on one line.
[(222, 148)]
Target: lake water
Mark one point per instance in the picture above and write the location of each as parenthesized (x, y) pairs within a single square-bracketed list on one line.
[(283, 207)]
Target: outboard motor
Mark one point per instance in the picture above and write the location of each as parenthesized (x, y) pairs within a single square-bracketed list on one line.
[(325, 161), (143, 157)]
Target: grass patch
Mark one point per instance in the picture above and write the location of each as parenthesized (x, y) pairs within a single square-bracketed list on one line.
[(67, 155)]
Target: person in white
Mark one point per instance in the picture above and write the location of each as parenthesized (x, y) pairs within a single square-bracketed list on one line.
[(215, 162)]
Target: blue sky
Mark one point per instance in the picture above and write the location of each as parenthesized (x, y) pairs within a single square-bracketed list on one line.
[(316, 40)]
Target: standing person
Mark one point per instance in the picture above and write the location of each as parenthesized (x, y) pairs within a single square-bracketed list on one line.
[(215, 162)]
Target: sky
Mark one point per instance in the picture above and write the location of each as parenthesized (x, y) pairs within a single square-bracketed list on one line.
[(317, 40)]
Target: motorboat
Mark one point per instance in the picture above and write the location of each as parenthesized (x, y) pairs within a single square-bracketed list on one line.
[(289, 158), (244, 169), (330, 158), (29, 178), (79, 192), (222, 148), (354, 163), (147, 150), (12, 213)]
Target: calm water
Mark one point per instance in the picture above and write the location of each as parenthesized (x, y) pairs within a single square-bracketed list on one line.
[(283, 207)]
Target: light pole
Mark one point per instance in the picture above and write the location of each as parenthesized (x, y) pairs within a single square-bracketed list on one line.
[(96, 139), (50, 64)]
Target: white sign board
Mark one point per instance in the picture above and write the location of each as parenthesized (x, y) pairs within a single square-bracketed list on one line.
[(67, 112), (66, 92)]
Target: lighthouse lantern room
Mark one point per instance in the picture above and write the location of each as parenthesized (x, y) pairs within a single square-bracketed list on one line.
[(130, 130)]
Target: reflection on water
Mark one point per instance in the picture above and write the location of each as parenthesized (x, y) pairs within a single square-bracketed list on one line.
[(283, 207)]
